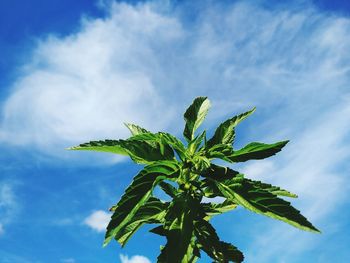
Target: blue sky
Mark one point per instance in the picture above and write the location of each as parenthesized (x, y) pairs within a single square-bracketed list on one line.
[(72, 71)]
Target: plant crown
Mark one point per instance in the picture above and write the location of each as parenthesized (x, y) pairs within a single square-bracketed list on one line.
[(186, 173)]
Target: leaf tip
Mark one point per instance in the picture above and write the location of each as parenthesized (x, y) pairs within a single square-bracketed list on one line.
[(106, 241)]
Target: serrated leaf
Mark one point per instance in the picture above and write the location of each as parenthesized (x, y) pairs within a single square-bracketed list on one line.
[(138, 193), (168, 189), (211, 244), (256, 151), (225, 132), (163, 138), (111, 146), (220, 151), (196, 142), (212, 209), (194, 116), (153, 211), (260, 201), (178, 229), (159, 230), (222, 174), (135, 129), (272, 189), (139, 151)]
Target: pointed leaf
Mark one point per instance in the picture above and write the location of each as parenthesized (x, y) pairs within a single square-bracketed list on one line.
[(111, 146), (179, 229), (256, 151), (137, 194), (250, 196), (163, 138), (272, 189), (135, 129), (168, 189), (194, 116), (153, 211), (220, 151), (138, 150), (225, 133), (196, 142), (211, 244), (212, 209)]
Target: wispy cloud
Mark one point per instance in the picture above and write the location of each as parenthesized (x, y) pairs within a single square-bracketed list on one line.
[(98, 220), (86, 85), (134, 259)]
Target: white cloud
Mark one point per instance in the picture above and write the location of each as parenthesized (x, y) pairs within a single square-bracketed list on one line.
[(98, 220), (68, 260), (144, 63), (86, 85), (134, 259), (1, 229)]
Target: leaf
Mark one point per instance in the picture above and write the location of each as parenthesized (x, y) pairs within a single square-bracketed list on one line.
[(159, 230), (211, 244), (196, 142), (212, 209), (163, 138), (178, 229), (194, 116), (111, 146), (220, 151), (256, 151), (153, 211), (175, 143), (216, 174), (138, 150), (168, 189), (272, 189), (137, 194), (135, 129), (225, 132), (249, 195)]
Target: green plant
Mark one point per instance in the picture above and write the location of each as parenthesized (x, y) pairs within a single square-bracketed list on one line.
[(187, 174)]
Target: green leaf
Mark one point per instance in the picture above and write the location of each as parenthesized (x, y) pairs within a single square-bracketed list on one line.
[(164, 139), (168, 189), (139, 150), (194, 116), (135, 129), (249, 195), (174, 142), (272, 189), (212, 209), (178, 229), (196, 142), (221, 174), (225, 133), (137, 194), (211, 244), (256, 151), (153, 211), (159, 230), (111, 146), (220, 151)]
